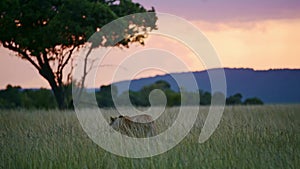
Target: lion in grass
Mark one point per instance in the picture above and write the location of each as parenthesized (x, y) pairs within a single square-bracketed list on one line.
[(135, 126)]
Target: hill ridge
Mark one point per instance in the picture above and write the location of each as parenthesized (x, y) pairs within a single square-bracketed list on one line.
[(272, 86)]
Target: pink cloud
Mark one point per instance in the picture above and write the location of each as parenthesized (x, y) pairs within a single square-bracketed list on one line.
[(227, 10)]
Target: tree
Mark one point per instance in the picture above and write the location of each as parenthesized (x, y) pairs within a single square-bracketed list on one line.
[(15, 97), (11, 97), (141, 97), (38, 99), (205, 97), (235, 99), (46, 33), (143, 94), (253, 101), (105, 95)]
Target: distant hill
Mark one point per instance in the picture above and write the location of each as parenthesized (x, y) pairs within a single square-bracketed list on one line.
[(271, 86)]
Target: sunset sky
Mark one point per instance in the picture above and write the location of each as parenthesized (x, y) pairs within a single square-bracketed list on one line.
[(245, 33)]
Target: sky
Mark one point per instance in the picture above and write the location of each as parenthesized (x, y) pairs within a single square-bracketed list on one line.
[(246, 34)]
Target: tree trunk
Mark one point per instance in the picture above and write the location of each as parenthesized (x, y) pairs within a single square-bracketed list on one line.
[(57, 90), (59, 97)]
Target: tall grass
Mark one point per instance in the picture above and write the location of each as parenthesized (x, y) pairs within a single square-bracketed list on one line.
[(247, 137)]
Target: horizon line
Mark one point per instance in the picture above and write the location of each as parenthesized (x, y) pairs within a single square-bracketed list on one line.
[(232, 68)]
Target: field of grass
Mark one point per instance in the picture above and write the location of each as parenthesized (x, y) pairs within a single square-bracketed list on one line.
[(247, 137)]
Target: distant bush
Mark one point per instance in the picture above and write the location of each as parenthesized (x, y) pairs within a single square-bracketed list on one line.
[(16, 97), (253, 101), (235, 99)]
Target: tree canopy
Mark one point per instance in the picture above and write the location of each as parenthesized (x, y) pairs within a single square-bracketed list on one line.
[(48, 32)]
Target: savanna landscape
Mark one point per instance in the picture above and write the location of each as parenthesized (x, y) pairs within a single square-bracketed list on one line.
[(247, 137), (59, 57)]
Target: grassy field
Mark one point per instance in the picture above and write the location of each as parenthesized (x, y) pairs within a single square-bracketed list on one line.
[(247, 137)]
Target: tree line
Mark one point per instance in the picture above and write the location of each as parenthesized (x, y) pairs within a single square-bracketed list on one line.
[(16, 97)]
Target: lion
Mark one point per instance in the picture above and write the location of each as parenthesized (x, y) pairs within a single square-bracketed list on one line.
[(135, 126)]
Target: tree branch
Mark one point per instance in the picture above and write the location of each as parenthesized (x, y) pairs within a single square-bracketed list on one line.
[(69, 76), (63, 59), (68, 58), (40, 61), (22, 53)]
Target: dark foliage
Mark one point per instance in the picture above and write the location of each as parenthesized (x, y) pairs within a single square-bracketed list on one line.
[(16, 97), (235, 99), (253, 101)]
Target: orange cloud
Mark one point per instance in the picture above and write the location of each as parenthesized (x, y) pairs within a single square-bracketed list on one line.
[(260, 45)]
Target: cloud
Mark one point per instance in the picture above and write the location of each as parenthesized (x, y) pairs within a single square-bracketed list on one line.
[(261, 45), (227, 10)]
